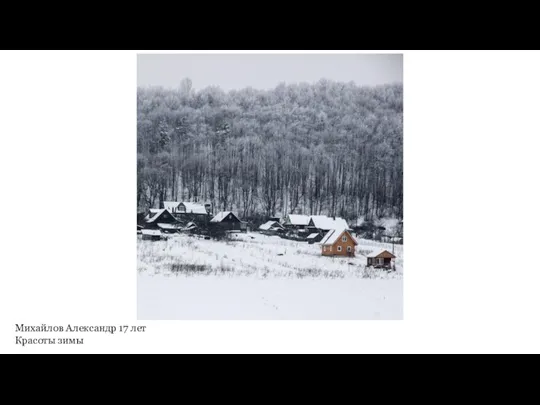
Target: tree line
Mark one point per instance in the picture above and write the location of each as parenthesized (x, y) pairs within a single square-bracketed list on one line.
[(324, 148)]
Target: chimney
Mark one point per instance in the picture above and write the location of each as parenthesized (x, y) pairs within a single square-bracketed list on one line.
[(208, 207)]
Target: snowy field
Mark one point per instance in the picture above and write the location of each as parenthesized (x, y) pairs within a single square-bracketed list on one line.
[(254, 276)]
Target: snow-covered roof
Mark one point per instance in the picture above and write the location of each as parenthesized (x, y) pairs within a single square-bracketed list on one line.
[(189, 224), (298, 219), (325, 222), (151, 232), (169, 226), (312, 235), (152, 212), (156, 215), (220, 216), (377, 253), (169, 205), (333, 235), (194, 208), (268, 225)]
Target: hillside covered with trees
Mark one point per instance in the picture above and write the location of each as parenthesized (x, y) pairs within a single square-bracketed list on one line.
[(324, 148)]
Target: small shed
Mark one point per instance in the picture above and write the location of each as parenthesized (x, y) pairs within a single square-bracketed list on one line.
[(380, 259)]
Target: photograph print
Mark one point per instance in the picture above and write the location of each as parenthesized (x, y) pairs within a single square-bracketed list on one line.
[(270, 186)]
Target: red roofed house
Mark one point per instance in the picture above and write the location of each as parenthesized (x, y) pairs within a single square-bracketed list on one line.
[(338, 242)]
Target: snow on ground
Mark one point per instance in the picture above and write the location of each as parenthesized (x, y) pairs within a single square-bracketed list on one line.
[(255, 276), (249, 298)]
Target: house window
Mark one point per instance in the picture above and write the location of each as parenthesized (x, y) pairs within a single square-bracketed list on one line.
[(324, 248), (330, 248), (339, 248), (344, 238), (381, 260), (349, 249)]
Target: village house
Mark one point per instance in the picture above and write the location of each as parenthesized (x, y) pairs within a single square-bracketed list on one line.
[(189, 211), (228, 221), (162, 216), (185, 207), (296, 222), (338, 242), (193, 208), (322, 224), (271, 227), (380, 259)]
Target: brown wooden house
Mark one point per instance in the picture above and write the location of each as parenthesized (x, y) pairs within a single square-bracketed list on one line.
[(381, 258), (338, 242)]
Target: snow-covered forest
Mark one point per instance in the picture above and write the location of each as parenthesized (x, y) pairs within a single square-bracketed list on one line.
[(324, 148)]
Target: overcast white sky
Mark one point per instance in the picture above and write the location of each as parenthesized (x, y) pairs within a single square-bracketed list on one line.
[(265, 71)]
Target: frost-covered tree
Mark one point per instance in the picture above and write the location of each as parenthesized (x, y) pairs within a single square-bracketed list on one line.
[(324, 148)]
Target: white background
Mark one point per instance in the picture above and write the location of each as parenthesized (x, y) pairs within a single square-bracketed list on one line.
[(67, 206)]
